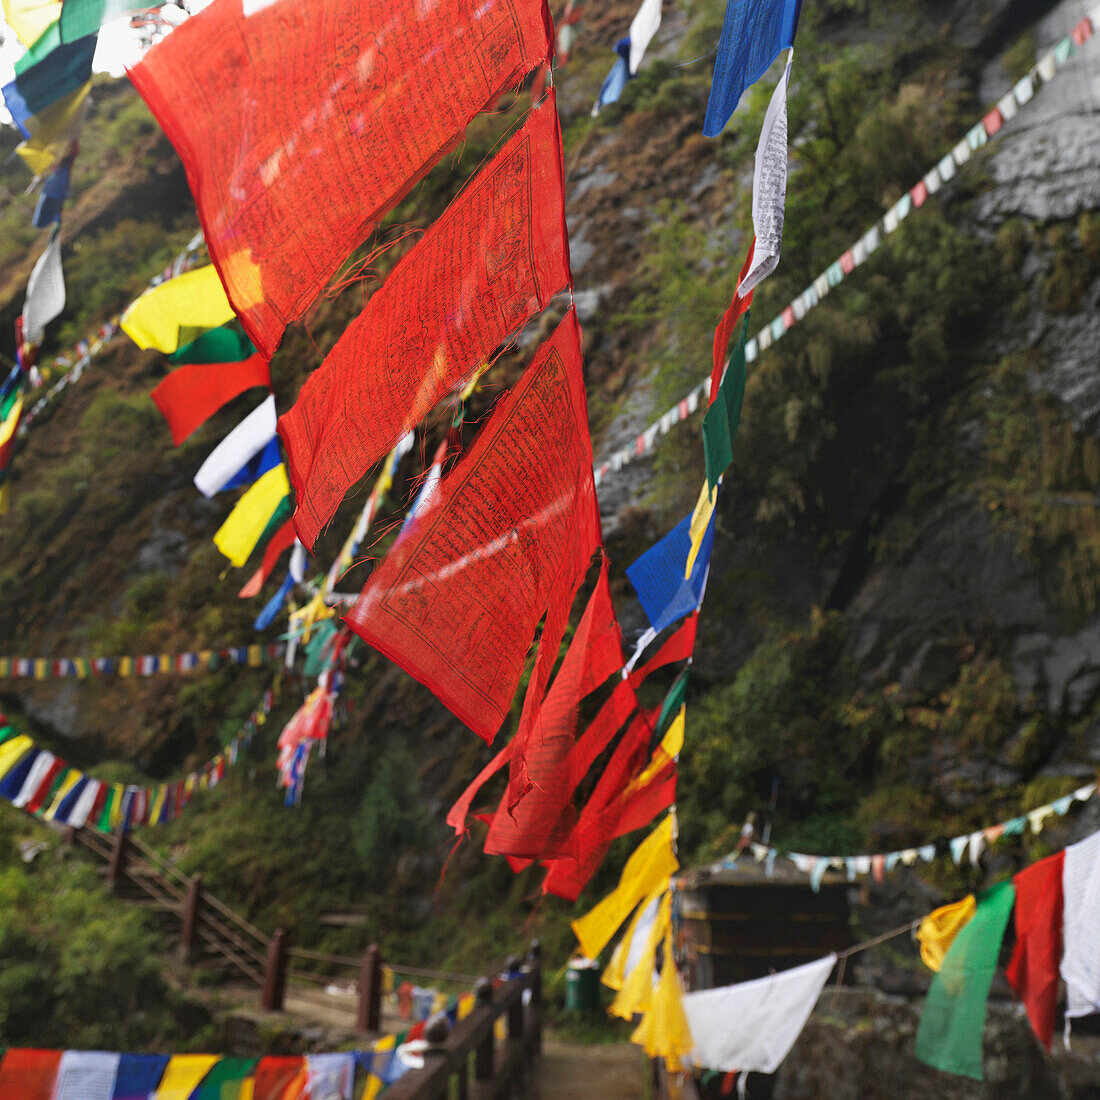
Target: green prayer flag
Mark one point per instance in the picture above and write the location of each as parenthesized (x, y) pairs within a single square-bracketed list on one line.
[(950, 1032), (83, 17), (322, 633), (225, 1079), (674, 700), (722, 418), (6, 734), (43, 45), (103, 822), (216, 345)]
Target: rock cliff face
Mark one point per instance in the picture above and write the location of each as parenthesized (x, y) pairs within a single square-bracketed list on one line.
[(902, 628)]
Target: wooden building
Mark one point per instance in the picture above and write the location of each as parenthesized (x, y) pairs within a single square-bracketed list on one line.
[(739, 923)]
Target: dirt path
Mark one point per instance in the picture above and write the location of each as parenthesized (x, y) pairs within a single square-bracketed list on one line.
[(603, 1071)]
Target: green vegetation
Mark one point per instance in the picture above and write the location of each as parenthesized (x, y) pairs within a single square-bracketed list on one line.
[(76, 970)]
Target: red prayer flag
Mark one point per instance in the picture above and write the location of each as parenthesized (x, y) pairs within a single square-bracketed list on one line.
[(490, 263), (599, 820), (640, 807), (1033, 969), (536, 815), (918, 193), (1083, 31), (34, 804), (993, 121), (273, 1076), (722, 333), (456, 816), (282, 538), (300, 124), (29, 1074), (848, 260), (191, 394), (456, 602)]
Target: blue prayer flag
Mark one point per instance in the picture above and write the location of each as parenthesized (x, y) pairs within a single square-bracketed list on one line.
[(60, 72), (12, 783), (615, 81), (256, 466), (138, 1076), (273, 606), (658, 575), (54, 193), (753, 35)]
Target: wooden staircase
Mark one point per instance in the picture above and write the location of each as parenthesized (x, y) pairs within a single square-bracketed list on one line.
[(208, 931)]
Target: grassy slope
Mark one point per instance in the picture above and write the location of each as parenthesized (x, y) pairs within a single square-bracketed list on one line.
[(107, 546)]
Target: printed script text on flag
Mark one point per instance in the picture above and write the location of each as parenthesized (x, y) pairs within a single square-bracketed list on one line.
[(300, 124), (456, 603), (495, 258)]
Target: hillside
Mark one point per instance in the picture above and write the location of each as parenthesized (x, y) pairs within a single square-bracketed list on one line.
[(901, 635)]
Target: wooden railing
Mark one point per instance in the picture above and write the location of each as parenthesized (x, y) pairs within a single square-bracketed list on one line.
[(209, 925), (466, 1062)]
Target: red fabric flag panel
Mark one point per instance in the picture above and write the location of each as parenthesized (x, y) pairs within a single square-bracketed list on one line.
[(599, 819), (490, 263), (300, 122), (456, 603), (1033, 969), (190, 395), (536, 813)]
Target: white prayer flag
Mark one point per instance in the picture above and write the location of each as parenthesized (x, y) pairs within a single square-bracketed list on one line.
[(45, 293), (642, 30), (752, 1026), (769, 186), (86, 1075), (243, 443), (1081, 954)]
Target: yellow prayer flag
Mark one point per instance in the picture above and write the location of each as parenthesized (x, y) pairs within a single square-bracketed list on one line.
[(159, 797), (938, 930), (636, 994), (651, 863), (184, 1074), (237, 537), (67, 785), (700, 520), (466, 1002), (670, 747), (30, 19), (664, 1031), (375, 1084), (41, 668), (5, 667), (248, 1089), (125, 666), (11, 752), (255, 656), (194, 300), (53, 130), (11, 421), (615, 972), (116, 805)]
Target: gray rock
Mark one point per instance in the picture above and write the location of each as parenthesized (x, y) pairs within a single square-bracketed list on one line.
[(1067, 657), (1028, 654), (934, 665), (858, 1045)]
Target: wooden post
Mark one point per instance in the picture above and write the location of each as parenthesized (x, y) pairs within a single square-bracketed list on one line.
[(534, 961), (483, 1064), (116, 868), (70, 837), (370, 991), (189, 933), (271, 1000)]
